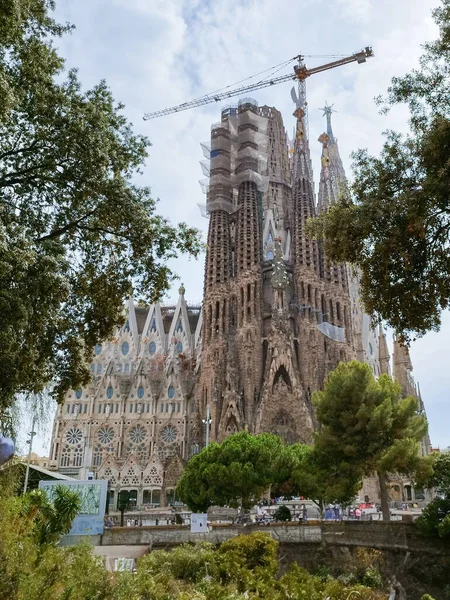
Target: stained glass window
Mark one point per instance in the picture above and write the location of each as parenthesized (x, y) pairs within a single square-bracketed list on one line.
[(78, 456), (74, 435), (125, 348), (78, 394), (171, 391), (137, 434), (109, 392), (152, 347), (169, 434), (179, 347), (105, 434), (140, 392), (98, 349)]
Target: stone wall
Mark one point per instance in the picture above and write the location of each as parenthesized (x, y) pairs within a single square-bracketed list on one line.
[(380, 535)]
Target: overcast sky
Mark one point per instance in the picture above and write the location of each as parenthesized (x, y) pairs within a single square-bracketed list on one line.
[(159, 53)]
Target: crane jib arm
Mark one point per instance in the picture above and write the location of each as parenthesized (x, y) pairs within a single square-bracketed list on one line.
[(360, 57), (301, 72)]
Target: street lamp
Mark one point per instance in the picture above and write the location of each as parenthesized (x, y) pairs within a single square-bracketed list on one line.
[(32, 433), (207, 422)]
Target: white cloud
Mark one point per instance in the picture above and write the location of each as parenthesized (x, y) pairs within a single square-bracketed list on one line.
[(356, 10)]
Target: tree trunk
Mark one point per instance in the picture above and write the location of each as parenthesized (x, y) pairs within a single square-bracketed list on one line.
[(320, 505), (384, 497)]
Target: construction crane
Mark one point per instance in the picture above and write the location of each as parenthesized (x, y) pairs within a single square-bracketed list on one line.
[(301, 72)]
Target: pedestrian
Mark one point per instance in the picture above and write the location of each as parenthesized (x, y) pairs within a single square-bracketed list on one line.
[(304, 513), (358, 513)]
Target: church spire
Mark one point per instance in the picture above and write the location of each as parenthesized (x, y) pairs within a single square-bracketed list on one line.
[(302, 167), (306, 251), (402, 367), (383, 352), (333, 182)]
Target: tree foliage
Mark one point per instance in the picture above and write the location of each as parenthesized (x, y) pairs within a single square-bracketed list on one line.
[(76, 232), (238, 471), (395, 224), (54, 518), (435, 518), (233, 473), (282, 513), (366, 425), (306, 471), (31, 565), (440, 476)]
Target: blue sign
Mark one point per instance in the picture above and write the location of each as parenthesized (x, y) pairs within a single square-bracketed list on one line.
[(90, 520)]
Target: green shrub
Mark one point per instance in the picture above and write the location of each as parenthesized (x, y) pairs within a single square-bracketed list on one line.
[(252, 551), (187, 562), (282, 514), (348, 578), (435, 518), (372, 578), (298, 583), (322, 572)]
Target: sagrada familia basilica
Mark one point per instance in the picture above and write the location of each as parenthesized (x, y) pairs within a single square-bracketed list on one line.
[(276, 318)]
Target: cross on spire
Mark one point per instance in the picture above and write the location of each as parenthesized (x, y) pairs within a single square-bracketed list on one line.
[(327, 110)]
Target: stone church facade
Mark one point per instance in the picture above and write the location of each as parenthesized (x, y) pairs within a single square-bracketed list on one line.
[(276, 318)]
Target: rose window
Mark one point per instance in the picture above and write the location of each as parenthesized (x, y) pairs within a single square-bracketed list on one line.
[(137, 434), (105, 435), (169, 434), (74, 435)]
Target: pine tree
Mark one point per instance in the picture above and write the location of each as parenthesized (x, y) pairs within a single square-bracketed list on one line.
[(367, 427)]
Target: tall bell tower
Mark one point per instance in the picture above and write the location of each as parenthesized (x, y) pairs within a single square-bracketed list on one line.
[(277, 317)]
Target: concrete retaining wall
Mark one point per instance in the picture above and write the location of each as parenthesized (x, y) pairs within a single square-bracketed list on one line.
[(391, 536)]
